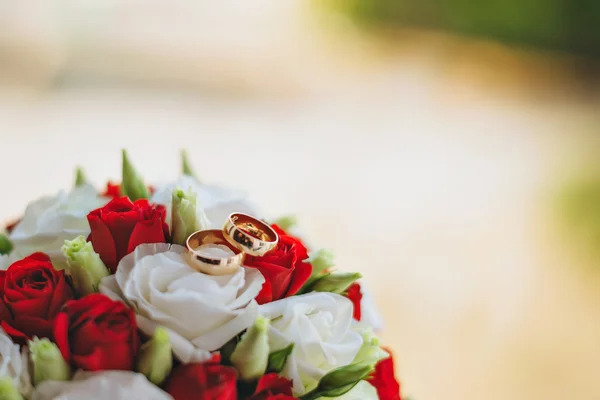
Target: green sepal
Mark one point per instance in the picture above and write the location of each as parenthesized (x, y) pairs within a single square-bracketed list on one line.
[(132, 184), (322, 260), (340, 381), (277, 359), (80, 178), (310, 284), (336, 282), (186, 167), (5, 245), (286, 222)]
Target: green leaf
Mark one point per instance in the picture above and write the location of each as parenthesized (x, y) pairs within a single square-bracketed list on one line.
[(340, 381), (316, 394), (277, 359), (227, 350), (310, 284), (5, 245), (286, 222), (132, 184), (336, 282), (186, 167), (80, 178)]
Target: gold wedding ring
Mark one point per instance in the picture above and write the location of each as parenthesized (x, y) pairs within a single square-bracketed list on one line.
[(249, 234), (211, 264)]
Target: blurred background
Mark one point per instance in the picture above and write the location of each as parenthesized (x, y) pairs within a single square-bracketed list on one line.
[(447, 149)]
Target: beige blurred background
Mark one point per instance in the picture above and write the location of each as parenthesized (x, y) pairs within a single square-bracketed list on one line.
[(429, 162)]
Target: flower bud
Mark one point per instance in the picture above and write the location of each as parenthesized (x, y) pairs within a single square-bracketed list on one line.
[(370, 351), (84, 265), (336, 282), (132, 184), (251, 356), (155, 360), (48, 362), (186, 167), (286, 222), (186, 218), (321, 261), (80, 178), (8, 391), (5, 244)]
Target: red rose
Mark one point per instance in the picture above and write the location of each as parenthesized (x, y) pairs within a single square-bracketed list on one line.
[(31, 294), (120, 226), (384, 379), (285, 268), (112, 190), (273, 387), (96, 333), (203, 382), (354, 294)]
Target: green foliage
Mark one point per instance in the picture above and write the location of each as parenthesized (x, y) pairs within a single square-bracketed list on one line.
[(277, 359), (569, 25), (5, 245)]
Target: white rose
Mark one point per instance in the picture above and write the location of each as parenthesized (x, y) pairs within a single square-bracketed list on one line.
[(200, 312), (104, 385), (13, 364), (51, 220), (320, 326), (217, 202)]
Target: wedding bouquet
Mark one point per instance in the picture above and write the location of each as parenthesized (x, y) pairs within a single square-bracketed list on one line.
[(181, 292)]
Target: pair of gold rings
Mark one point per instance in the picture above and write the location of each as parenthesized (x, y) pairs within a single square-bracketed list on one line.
[(242, 234)]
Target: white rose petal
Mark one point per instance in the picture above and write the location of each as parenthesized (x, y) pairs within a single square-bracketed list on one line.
[(320, 326), (49, 221), (200, 312), (13, 364), (215, 201), (104, 385)]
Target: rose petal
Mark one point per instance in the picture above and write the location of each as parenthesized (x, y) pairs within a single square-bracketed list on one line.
[(302, 272), (103, 242), (17, 336), (146, 232), (107, 357)]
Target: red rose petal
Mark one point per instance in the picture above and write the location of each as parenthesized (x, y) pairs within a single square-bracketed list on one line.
[(266, 293), (278, 277), (97, 333), (384, 380), (302, 273), (103, 242), (33, 326), (203, 382), (146, 232), (354, 294), (274, 383), (16, 335), (61, 335), (109, 356), (33, 291), (120, 226)]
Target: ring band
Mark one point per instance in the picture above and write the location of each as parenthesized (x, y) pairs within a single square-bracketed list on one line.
[(250, 234), (209, 264)]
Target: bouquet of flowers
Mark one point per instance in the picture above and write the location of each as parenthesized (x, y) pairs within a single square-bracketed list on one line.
[(180, 291)]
